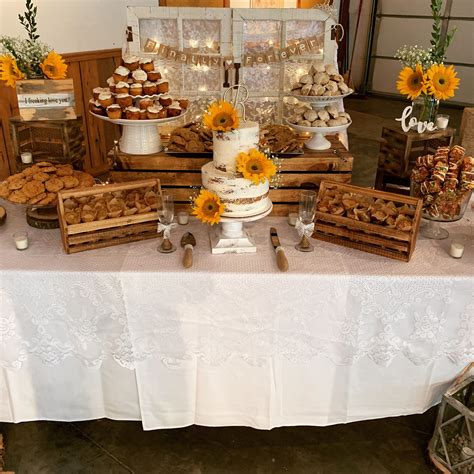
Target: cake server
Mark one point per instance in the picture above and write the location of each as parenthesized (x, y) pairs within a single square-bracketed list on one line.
[(188, 242), (282, 261)]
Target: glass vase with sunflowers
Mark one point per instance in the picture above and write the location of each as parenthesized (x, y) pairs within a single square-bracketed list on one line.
[(425, 79), (29, 58)]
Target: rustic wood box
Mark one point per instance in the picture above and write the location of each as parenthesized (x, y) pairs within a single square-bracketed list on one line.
[(367, 236), (110, 231), (58, 141), (181, 176)]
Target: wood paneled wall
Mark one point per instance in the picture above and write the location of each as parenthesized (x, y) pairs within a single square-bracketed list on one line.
[(88, 70)]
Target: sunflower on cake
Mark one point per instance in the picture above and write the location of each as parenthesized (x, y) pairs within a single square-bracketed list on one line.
[(236, 183)]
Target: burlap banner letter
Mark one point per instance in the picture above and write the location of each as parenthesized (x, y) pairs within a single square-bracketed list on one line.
[(204, 60), (312, 43), (270, 56), (293, 50), (284, 54), (172, 54), (162, 50), (183, 57), (228, 62), (260, 59), (248, 60), (215, 61), (302, 48)]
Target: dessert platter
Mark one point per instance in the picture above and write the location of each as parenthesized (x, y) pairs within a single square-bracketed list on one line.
[(138, 99)]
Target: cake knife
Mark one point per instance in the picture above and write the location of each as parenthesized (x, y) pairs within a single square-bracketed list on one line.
[(282, 261), (188, 242)]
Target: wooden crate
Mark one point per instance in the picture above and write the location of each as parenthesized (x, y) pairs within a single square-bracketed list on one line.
[(369, 237), (112, 231), (58, 141), (181, 176), (399, 151)]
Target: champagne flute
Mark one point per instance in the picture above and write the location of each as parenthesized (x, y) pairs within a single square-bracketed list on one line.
[(307, 211), (165, 216)]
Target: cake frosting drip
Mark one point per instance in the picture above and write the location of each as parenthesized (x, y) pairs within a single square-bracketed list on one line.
[(227, 145)]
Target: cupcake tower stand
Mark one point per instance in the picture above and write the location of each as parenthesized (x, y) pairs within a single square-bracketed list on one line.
[(318, 140), (139, 137), (231, 237)]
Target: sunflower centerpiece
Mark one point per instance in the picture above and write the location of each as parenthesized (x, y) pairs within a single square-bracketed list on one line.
[(28, 58), (425, 79)]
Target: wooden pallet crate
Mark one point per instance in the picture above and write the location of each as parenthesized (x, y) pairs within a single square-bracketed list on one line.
[(367, 236), (111, 231), (58, 141), (181, 176)]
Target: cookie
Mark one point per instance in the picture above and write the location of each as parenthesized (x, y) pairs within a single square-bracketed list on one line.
[(43, 164), (31, 170), (18, 197), (49, 169), (65, 170), (4, 191), (54, 185), (33, 188), (37, 199), (70, 182), (195, 147), (16, 183), (41, 177), (49, 199)]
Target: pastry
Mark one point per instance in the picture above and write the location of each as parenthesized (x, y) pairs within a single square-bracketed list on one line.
[(105, 99), (165, 100), (114, 112), (111, 84), (54, 185), (147, 64), (143, 114), (17, 183), (64, 170), (132, 113), (183, 103), (124, 100), (33, 188), (36, 199), (122, 88), (121, 74), (174, 109), (162, 86), (310, 115), (70, 182), (139, 76), (145, 103), (153, 112), (149, 88), (131, 62), (96, 92), (42, 177), (97, 109), (154, 75), (18, 197), (136, 89)]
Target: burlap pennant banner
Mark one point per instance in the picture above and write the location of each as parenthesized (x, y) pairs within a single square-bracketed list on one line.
[(268, 56)]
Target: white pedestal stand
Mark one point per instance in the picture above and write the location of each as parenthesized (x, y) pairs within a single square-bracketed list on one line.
[(231, 237), (139, 137)]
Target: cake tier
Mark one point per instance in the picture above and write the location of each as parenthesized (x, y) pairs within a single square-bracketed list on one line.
[(227, 145), (240, 196)]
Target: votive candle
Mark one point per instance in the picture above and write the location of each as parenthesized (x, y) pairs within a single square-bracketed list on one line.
[(21, 240), (183, 217), (26, 157), (456, 250), (292, 218)]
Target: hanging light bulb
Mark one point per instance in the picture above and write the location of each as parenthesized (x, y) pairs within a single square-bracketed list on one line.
[(193, 43)]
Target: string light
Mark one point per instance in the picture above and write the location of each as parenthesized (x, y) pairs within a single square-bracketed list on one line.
[(270, 42), (193, 43), (209, 43)]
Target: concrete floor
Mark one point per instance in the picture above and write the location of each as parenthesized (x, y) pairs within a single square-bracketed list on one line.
[(393, 445)]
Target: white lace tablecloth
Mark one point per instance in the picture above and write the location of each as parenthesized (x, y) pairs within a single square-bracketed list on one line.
[(126, 332)]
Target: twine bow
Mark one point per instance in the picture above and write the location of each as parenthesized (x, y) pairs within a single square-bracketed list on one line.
[(166, 229), (304, 229)]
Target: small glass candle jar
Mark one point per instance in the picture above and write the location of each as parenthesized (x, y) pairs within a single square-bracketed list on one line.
[(442, 121), (26, 157), (183, 217), (21, 240), (292, 217), (456, 250)]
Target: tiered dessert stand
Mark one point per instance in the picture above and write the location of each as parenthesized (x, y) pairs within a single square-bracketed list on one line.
[(139, 137), (230, 235), (318, 140)]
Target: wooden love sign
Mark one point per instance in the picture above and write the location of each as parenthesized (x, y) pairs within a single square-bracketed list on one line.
[(414, 122)]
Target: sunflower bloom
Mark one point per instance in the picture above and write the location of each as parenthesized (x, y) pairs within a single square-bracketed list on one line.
[(255, 166), (411, 82), (442, 81), (208, 207), (9, 71), (53, 66), (221, 116)]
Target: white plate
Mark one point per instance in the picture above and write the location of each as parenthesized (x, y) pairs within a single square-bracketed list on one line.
[(321, 98), (322, 130)]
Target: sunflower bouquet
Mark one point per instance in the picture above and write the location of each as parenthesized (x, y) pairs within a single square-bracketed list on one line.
[(28, 58), (425, 77)]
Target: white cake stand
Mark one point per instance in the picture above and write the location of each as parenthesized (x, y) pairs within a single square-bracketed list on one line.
[(231, 237), (319, 101), (318, 140), (139, 137)]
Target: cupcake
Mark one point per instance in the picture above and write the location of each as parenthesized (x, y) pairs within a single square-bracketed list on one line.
[(121, 74), (131, 62), (154, 111), (145, 103), (149, 88), (132, 113), (174, 109), (154, 75), (105, 99), (136, 89), (124, 100), (147, 64), (122, 88), (97, 109), (165, 100), (143, 114), (111, 84), (139, 76), (96, 92), (183, 103), (114, 112), (162, 86)]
